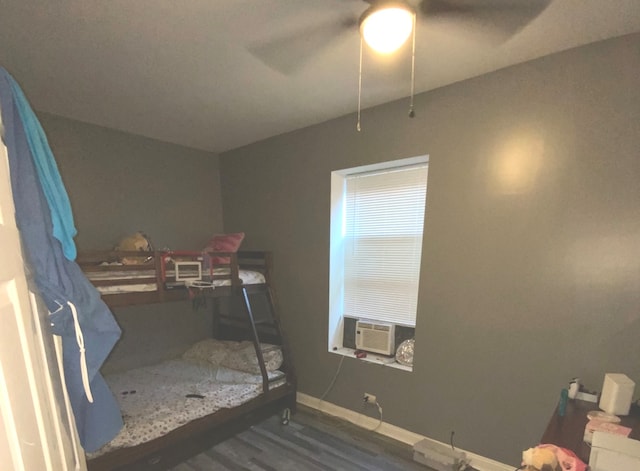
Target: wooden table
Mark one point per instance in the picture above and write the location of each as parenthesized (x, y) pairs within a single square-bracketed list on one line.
[(568, 431)]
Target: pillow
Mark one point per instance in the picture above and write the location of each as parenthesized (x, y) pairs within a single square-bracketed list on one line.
[(239, 356), (243, 357), (225, 243), (209, 351), (227, 375)]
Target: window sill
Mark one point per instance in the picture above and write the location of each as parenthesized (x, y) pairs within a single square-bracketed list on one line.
[(373, 358)]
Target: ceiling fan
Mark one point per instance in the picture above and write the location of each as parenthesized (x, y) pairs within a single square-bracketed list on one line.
[(496, 20)]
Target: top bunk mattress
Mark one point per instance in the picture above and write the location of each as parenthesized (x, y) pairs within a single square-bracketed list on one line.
[(114, 277)]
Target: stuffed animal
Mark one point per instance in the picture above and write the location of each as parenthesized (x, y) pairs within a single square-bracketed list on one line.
[(540, 459), (137, 242), (551, 458)]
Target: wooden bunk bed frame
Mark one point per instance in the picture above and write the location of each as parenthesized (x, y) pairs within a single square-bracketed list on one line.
[(93, 262), (198, 435)]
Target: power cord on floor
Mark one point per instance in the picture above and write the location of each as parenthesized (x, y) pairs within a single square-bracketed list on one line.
[(371, 400), (330, 387), (462, 464), (377, 404)]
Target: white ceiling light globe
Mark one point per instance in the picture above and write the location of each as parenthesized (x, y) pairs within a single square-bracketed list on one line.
[(386, 29)]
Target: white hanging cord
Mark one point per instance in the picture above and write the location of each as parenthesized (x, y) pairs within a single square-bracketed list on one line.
[(65, 393), (83, 369), (83, 359), (377, 404), (359, 87), (333, 381), (413, 69)]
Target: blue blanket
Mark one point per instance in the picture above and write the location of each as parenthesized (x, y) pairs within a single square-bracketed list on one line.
[(62, 285)]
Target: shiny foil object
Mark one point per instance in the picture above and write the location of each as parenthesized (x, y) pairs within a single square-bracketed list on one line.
[(404, 353)]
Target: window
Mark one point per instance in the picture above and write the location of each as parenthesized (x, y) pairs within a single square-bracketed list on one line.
[(377, 220)]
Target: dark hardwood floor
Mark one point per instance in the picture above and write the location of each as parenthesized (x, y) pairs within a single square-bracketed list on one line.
[(311, 441)]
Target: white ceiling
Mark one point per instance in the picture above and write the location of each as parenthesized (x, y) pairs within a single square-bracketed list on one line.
[(184, 72)]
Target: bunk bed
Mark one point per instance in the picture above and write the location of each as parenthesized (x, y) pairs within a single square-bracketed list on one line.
[(204, 278), (126, 278)]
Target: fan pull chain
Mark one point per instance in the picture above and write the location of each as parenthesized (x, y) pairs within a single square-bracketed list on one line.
[(359, 87), (413, 69)]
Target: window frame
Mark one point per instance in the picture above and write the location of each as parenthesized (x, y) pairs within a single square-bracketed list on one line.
[(336, 254)]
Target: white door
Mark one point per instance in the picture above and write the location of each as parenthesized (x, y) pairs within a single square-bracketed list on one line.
[(37, 431)]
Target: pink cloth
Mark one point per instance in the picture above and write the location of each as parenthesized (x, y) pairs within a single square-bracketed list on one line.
[(225, 243), (567, 458)]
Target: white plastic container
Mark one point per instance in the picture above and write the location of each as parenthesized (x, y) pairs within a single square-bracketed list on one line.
[(617, 394), (611, 452)]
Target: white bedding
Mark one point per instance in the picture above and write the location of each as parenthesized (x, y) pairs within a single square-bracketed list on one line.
[(153, 399), (248, 277)]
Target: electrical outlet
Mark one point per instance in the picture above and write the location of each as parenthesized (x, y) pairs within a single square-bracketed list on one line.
[(369, 398)]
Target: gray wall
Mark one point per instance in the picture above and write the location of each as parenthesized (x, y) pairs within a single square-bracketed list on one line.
[(119, 183), (531, 257), (155, 332)]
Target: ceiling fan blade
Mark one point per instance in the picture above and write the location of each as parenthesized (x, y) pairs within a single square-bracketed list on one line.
[(500, 18), (287, 53)]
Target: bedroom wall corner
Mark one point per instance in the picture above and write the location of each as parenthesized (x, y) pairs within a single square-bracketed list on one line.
[(119, 183)]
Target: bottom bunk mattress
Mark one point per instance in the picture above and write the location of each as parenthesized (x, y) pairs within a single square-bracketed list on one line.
[(157, 399)]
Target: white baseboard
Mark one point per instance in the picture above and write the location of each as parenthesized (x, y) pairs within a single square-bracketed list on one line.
[(388, 430)]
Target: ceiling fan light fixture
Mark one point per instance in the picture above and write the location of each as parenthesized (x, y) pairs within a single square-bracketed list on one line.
[(387, 26)]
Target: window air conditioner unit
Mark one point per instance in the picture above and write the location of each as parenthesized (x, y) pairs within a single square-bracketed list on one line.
[(375, 337)]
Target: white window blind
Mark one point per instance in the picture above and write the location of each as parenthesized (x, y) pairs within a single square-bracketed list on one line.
[(384, 219)]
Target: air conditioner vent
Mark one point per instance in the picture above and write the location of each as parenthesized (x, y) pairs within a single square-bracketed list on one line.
[(375, 337)]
